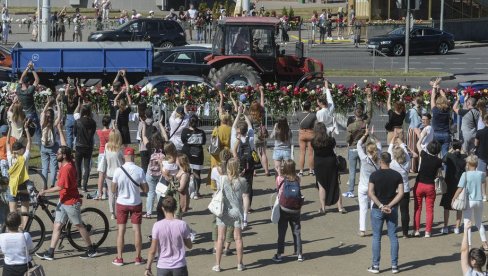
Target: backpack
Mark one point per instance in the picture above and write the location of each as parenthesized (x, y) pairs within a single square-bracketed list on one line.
[(154, 169), (291, 196), (245, 155)]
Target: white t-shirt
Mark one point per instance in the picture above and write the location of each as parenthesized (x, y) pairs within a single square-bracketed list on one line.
[(11, 161), (215, 176), (171, 168), (429, 136), (192, 13), (128, 193), (12, 246)]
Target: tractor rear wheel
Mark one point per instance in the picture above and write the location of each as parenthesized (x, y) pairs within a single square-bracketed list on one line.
[(237, 74)]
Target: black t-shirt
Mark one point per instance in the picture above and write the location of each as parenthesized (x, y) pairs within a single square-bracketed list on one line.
[(428, 168), (70, 106), (123, 119), (193, 141), (396, 120), (26, 98), (84, 131), (386, 183), (111, 99), (482, 150)]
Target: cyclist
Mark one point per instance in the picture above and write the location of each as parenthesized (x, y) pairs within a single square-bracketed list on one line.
[(69, 206)]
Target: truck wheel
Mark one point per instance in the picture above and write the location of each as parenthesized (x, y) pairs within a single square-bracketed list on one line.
[(211, 73), (237, 74)]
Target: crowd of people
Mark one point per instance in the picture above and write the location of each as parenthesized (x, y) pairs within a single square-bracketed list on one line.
[(170, 172)]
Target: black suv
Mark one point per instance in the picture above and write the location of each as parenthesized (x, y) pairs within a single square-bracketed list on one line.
[(160, 32)]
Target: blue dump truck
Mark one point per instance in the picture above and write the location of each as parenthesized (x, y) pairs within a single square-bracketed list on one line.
[(55, 61)]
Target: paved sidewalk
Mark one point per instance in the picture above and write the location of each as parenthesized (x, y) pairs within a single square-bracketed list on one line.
[(330, 243)]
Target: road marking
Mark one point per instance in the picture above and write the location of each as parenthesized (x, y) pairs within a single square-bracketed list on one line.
[(452, 58), (473, 58), (481, 63), (436, 62), (459, 63), (430, 58), (457, 68), (415, 62), (433, 68), (480, 68)]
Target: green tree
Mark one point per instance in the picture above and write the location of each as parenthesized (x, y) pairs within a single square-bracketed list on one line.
[(284, 12), (291, 12)]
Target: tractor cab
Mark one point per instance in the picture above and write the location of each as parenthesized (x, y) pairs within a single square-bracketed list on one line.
[(244, 52)]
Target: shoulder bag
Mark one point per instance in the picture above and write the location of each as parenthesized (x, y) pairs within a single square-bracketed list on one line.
[(440, 184), (461, 202), (215, 146), (131, 179), (33, 269), (216, 205)]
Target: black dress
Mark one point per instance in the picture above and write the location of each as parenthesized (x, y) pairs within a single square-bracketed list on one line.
[(326, 172), (455, 166), (123, 125)]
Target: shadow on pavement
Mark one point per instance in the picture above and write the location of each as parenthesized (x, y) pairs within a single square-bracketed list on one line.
[(455, 257)]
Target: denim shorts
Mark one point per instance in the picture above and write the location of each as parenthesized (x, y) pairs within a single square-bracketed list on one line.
[(280, 155), (101, 162), (71, 212), (22, 193)]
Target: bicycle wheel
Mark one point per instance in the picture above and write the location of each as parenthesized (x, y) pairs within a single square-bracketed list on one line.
[(35, 227), (37, 178), (96, 223)]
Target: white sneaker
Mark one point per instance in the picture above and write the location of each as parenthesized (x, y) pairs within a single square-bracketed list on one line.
[(484, 198), (192, 236), (427, 234), (456, 231)]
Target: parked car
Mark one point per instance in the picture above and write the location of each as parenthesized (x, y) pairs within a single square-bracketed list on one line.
[(169, 81), (5, 57), (187, 60), (422, 39), (160, 32), (476, 85)]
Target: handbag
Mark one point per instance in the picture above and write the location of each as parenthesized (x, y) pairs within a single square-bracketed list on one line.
[(216, 205), (192, 186), (215, 146), (161, 188), (257, 160), (275, 210), (341, 164), (461, 202), (440, 185), (33, 269)]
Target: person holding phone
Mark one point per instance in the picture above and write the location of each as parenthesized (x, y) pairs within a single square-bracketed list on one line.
[(385, 189)]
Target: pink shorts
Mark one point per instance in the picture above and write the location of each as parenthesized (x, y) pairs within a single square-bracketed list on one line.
[(124, 211)]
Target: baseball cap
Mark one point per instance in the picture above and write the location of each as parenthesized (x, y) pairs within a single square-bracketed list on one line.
[(3, 129), (129, 151), (180, 110)]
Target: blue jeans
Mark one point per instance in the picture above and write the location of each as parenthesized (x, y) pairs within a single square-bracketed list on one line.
[(444, 138), (35, 133), (70, 124), (49, 161), (353, 159), (152, 181), (377, 220)]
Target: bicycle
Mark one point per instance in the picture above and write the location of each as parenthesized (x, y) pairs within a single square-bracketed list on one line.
[(94, 220)]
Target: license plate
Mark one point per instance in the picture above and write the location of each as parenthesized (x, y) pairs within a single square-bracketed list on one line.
[(372, 46)]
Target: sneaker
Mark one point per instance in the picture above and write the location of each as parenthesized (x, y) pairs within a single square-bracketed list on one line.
[(216, 268), (312, 172), (192, 236), (394, 269), (244, 224), (112, 217), (456, 231), (343, 211), (444, 230), (227, 252), (484, 198), (240, 267), (300, 174), (45, 256), (300, 258), (139, 261), (90, 253), (118, 261), (374, 269), (277, 258), (427, 234), (348, 194), (416, 234), (214, 251), (362, 233)]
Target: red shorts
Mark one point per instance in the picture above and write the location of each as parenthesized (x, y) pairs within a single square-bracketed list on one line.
[(123, 212)]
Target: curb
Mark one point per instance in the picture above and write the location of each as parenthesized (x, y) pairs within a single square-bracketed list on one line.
[(474, 45)]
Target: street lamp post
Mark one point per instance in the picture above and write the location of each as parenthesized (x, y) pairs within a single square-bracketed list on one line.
[(407, 38), (441, 23), (46, 16)]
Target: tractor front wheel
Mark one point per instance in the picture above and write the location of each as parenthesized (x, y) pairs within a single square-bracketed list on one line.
[(237, 74)]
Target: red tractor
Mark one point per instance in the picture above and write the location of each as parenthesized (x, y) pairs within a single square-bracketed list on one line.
[(244, 52)]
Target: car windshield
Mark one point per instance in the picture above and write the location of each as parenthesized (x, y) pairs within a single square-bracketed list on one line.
[(399, 31), (121, 27)]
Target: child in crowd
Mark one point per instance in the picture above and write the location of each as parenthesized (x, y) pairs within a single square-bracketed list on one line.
[(3, 149), (103, 136)]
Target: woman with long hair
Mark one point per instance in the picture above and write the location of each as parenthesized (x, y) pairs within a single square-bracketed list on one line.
[(327, 179), (441, 117), (122, 117), (84, 131), (257, 115), (193, 140), (287, 215), (396, 116), (154, 173), (401, 164), (182, 179), (114, 158), (455, 163), (217, 173), (49, 143), (306, 121), (472, 182), (236, 203), (223, 133), (70, 100), (414, 120), (16, 117), (481, 106), (282, 143), (370, 162), (424, 187)]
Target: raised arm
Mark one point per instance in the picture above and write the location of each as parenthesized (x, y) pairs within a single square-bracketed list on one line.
[(26, 128), (116, 77), (261, 94), (369, 105), (145, 141), (36, 76), (465, 262), (435, 88), (330, 100), (24, 73), (362, 155), (221, 103), (239, 113), (9, 133), (455, 107), (60, 111), (162, 129), (388, 101), (62, 137), (127, 85), (78, 107), (234, 103)]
